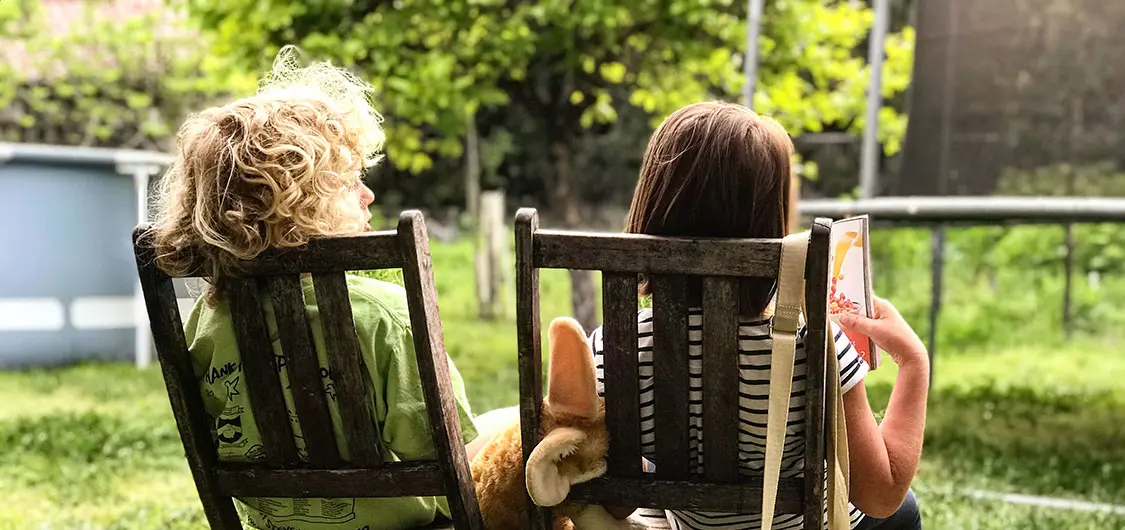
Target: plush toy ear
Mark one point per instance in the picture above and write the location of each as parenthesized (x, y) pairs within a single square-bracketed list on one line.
[(571, 384), (545, 485)]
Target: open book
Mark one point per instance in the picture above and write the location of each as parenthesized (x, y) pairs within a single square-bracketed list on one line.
[(849, 280)]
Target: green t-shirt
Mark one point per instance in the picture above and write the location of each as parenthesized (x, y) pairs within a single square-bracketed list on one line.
[(383, 327)]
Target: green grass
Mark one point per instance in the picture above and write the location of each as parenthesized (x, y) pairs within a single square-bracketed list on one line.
[(1039, 421), (95, 446)]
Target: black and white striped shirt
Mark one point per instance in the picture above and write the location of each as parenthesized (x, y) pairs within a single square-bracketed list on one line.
[(754, 374)]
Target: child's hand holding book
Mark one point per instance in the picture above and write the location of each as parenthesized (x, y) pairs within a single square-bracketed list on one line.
[(890, 333)]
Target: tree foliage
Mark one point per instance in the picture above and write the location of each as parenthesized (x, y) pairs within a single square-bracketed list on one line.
[(437, 63), (562, 68), (101, 79)]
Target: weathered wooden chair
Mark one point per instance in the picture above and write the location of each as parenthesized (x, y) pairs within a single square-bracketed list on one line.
[(325, 473), (669, 263)]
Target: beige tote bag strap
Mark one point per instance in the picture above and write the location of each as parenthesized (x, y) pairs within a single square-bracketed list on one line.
[(839, 472), (786, 323)]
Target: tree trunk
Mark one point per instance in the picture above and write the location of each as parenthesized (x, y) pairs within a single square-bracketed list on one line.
[(582, 296), (566, 196)]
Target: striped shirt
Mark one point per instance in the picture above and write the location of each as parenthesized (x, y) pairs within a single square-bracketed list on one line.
[(754, 374)]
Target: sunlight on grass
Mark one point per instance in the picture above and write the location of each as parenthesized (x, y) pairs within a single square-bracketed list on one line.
[(1045, 420)]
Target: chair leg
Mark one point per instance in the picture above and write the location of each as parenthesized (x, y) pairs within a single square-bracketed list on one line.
[(220, 510), (465, 510)]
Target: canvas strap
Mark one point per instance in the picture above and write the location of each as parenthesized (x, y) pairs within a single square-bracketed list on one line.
[(786, 324), (839, 467)]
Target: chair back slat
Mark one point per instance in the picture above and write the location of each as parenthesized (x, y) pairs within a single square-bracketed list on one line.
[(182, 384), (304, 371), (433, 367), (347, 371), (816, 309), (396, 479), (619, 369), (720, 379), (675, 267), (260, 377), (671, 377), (555, 249)]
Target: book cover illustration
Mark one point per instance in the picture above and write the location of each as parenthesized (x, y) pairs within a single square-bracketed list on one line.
[(849, 283)]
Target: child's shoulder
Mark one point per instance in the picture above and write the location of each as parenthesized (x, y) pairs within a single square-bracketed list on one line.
[(377, 299), (376, 288)]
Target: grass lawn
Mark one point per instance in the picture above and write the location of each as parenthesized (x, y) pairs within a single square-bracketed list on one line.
[(95, 446)]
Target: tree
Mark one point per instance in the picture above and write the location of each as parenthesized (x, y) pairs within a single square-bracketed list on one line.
[(100, 78), (562, 64)]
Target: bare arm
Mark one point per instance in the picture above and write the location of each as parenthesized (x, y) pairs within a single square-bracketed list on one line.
[(884, 458)]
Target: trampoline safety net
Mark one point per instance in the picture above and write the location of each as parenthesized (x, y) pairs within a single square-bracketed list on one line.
[(1016, 97)]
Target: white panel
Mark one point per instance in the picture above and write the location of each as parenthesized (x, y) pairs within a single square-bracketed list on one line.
[(185, 305), (32, 314), (109, 312), (103, 312)]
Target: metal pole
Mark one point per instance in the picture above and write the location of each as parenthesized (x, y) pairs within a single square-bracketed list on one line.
[(1076, 129), (938, 262), (946, 169), (991, 211), (142, 339), (754, 10), (869, 164), (1068, 285)]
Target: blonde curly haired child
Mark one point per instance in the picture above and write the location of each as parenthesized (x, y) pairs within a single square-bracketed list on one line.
[(273, 170)]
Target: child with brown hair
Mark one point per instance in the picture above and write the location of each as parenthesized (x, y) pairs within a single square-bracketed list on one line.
[(275, 170), (720, 170)]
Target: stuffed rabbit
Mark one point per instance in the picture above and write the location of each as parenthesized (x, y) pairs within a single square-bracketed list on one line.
[(572, 449)]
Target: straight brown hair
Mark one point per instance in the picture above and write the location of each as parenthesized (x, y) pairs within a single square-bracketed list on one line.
[(716, 170)]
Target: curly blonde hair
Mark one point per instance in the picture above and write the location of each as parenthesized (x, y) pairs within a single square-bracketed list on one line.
[(265, 171)]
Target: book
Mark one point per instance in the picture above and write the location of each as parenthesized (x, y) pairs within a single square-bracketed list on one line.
[(849, 280)]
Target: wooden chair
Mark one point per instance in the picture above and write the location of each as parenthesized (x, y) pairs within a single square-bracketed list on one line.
[(324, 474), (668, 263)]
